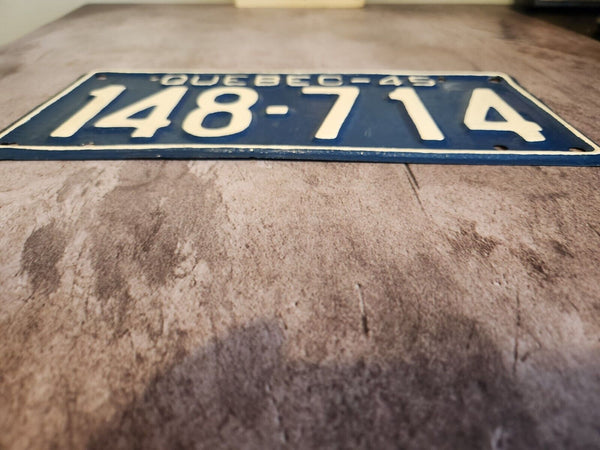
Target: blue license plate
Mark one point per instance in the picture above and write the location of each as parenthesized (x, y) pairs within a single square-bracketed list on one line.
[(475, 118)]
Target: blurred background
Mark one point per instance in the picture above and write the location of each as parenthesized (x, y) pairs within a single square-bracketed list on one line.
[(19, 17)]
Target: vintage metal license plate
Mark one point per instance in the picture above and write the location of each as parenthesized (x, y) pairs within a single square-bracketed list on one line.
[(474, 118)]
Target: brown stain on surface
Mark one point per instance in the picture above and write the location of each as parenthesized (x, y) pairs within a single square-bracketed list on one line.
[(534, 262), (9, 69), (468, 240), (561, 249), (76, 184), (41, 252), (143, 224), (242, 392), (429, 376)]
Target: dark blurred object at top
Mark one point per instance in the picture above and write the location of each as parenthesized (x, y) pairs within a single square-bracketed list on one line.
[(563, 4), (581, 16)]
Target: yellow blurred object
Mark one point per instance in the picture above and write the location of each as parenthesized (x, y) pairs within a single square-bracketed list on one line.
[(299, 3)]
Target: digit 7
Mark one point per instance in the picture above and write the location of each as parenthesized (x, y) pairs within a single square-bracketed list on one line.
[(347, 95)]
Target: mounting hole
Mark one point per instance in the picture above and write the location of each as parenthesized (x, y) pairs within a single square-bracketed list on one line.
[(495, 79), (441, 79), (500, 147), (576, 149), (101, 76)]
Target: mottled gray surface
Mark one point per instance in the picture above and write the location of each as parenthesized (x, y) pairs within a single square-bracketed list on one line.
[(260, 304)]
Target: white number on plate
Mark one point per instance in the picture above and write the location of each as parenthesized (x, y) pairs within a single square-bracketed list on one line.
[(241, 116), (417, 112), (162, 104), (482, 100), (102, 98), (330, 128)]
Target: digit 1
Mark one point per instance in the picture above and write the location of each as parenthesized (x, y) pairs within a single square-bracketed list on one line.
[(426, 126), (102, 98)]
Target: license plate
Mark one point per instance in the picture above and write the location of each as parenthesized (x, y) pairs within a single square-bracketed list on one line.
[(475, 118)]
